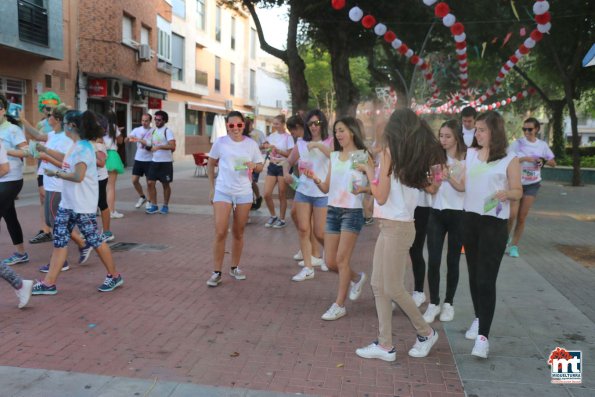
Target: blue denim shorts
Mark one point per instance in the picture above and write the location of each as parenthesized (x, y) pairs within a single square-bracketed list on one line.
[(317, 202), (232, 199), (531, 190), (274, 170), (344, 220)]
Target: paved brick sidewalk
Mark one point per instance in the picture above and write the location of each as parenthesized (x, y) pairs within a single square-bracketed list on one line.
[(264, 333)]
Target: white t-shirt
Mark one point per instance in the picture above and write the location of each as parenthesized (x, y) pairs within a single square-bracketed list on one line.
[(282, 141), (447, 197), (343, 177), (468, 136), (142, 154), (101, 171), (81, 197), (110, 143), (159, 138), (482, 181), (3, 155), (258, 137), (319, 163), (233, 154), (530, 172), (425, 199), (59, 142), (40, 168), (401, 202), (12, 136)]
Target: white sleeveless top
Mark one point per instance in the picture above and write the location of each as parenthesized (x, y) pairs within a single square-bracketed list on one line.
[(447, 197), (401, 202), (482, 181), (320, 164), (425, 199), (343, 178)]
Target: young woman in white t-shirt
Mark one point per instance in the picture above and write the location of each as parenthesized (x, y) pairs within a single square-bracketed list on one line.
[(237, 156), (279, 143), (345, 186), (79, 203), (410, 149), (492, 181), (533, 154), (113, 164)]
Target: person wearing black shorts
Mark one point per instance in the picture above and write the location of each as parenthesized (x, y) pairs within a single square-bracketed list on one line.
[(142, 158), (162, 143)]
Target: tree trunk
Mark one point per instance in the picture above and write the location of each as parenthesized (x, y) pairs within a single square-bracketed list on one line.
[(576, 140), (558, 141), (346, 92)]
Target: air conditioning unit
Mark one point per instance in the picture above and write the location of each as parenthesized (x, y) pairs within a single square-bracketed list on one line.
[(114, 88), (144, 53), (228, 104)]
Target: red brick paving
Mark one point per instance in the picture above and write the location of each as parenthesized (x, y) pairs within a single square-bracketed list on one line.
[(264, 333)]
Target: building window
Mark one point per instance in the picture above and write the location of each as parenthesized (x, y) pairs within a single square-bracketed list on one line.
[(48, 81), (127, 23), (179, 8), (163, 39), (252, 44), (193, 125), (233, 33), (217, 74), (33, 22), (145, 35), (201, 10), (218, 24), (252, 84), (232, 79), (177, 57)]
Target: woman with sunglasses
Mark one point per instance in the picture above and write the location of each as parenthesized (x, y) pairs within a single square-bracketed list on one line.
[(237, 156), (312, 154), (533, 153)]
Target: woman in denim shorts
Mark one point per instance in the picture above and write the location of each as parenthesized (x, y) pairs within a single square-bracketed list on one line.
[(345, 218)]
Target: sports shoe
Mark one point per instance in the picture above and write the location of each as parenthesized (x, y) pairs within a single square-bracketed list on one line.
[(84, 253), (418, 298), (110, 283), (24, 293), (153, 209), (514, 251), (431, 312), (164, 210), (116, 215), (16, 258), (140, 202), (447, 313), (298, 256), (473, 330), (271, 221), (481, 347), (46, 268), (316, 262), (368, 221), (334, 312), (356, 287), (237, 273), (39, 288), (423, 344), (279, 224), (214, 280), (304, 274), (107, 237), (148, 205), (374, 350), (41, 237)]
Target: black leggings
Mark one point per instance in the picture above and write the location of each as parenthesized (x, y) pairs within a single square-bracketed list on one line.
[(102, 201), (440, 223), (416, 252), (485, 241), (8, 193)]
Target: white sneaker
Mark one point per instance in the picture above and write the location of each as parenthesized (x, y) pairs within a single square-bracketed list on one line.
[(140, 202), (214, 280), (237, 273), (298, 256), (423, 344), (148, 205), (473, 330), (447, 313), (373, 350), (316, 262), (356, 288), (24, 293), (481, 347), (334, 312), (418, 298), (304, 274), (431, 312), (116, 215)]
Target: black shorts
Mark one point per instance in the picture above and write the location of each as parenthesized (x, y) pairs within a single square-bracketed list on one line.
[(162, 172), (141, 168), (39, 180), (274, 170), (531, 190)]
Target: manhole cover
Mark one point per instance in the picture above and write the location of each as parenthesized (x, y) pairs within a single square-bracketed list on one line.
[(121, 247), (583, 254)]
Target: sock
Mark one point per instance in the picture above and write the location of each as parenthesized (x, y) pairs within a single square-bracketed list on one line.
[(142, 196), (219, 273), (233, 268)]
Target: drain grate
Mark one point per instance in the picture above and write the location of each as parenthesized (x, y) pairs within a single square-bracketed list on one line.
[(123, 246)]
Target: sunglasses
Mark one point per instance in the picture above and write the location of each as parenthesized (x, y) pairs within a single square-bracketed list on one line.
[(238, 125), (158, 119), (314, 122), (528, 129)]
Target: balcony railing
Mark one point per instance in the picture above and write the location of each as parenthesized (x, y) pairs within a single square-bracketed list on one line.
[(33, 23), (201, 78)]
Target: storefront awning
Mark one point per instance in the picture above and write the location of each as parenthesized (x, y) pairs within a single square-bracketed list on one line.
[(142, 91), (205, 107)]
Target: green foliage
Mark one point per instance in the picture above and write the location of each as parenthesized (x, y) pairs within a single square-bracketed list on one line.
[(586, 162)]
